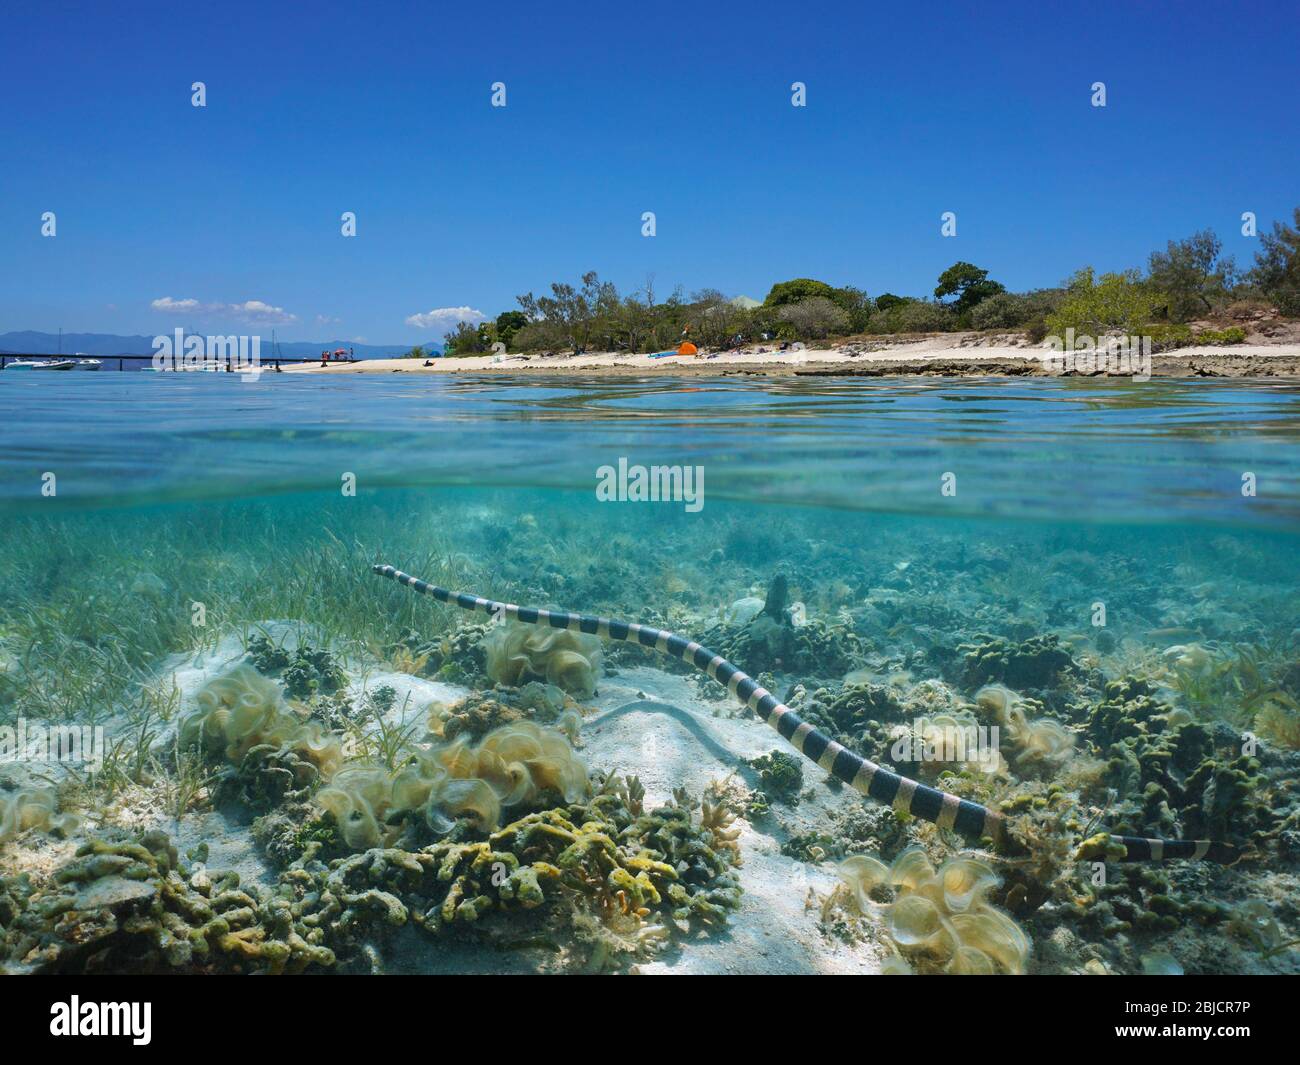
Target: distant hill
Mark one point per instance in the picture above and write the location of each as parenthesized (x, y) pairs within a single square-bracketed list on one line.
[(30, 342)]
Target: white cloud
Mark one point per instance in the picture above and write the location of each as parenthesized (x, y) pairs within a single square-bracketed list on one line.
[(446, 318), (169, 304), (253, 311), (257, 311)]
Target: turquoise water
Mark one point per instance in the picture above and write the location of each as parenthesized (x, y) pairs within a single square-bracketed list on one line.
[(156, 524), (1162, 452)]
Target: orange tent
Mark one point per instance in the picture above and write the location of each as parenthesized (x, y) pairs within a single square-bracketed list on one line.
[(687, 348)]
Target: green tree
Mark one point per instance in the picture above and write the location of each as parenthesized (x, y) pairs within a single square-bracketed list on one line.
[(416, 352), (508, 324), (855, 303), (1277, 266), (1190, 277), (968, 283), (1098, 306), (914, 316), (796, 291), (467, 339), (574, 310)]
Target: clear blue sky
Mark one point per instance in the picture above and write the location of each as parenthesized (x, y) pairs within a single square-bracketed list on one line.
[(681, 109)]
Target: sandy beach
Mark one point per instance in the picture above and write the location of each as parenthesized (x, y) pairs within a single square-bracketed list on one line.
[(943, 355)]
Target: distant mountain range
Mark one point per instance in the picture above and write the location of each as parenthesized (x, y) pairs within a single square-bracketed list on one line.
[(30, 342)]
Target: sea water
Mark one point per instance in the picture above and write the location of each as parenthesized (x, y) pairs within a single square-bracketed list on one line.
[(150, 520)]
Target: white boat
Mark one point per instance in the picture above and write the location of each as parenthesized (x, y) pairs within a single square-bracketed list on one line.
[(41, 364), (206, 366), (85, 363)]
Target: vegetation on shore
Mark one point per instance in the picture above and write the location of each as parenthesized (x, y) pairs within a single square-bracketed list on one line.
[(1190, 280)]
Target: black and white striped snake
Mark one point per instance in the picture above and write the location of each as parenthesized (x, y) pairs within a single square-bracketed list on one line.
[(908, 796)]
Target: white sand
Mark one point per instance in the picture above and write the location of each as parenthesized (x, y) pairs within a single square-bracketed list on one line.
[(972, 348), (774, 930)]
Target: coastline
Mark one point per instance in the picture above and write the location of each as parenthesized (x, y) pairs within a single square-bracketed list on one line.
[(949, 355)]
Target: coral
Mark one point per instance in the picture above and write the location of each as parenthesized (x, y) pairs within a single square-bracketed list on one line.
[(636, 874), (460, 658), (241, 716), (780, 775), (851, 708), (268, 657), (632, 792), (29, 808), (480, 712), (134, 906), (812, 847), (473, 717), (338, 712), (940, 918), (516, 653), (306, 672), (1127, 706), (514, 765), (289, 831), (1036, 663), (766, 644), (719, 824), (1175, 777)]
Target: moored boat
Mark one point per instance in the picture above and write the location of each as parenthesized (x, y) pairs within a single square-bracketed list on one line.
[(41, 364)]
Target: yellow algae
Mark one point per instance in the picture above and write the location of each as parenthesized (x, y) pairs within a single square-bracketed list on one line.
[(940, 918)]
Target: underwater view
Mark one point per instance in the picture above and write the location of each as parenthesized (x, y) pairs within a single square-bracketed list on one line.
[(660, 675)]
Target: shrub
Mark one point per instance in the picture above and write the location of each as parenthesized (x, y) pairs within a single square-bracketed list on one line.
[(1288, 301), (815, 318), (1248, 308), (1002, 311), (1232, 335), (855, 303), (1098, 306), (919, 316), (1165, 336), (540, 336)]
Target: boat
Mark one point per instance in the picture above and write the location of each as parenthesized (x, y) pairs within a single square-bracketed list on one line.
[(41, 364), (206, 366), (85, 363)]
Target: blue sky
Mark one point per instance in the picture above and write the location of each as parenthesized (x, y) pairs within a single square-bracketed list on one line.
[(681, 109)]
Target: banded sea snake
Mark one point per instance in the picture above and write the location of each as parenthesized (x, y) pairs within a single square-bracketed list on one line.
[(903, 794)]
